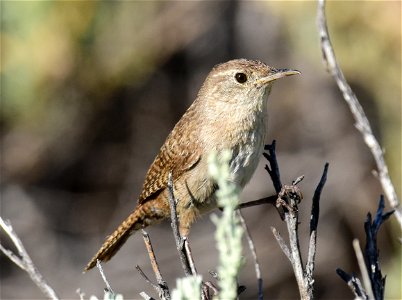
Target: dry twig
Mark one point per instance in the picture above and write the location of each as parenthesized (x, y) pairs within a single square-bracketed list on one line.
[(254, 255), (288, 199), (162, 287), (175, 227), (24, 261), (363, 269), (362, 124), (108, 287), (369, 264)]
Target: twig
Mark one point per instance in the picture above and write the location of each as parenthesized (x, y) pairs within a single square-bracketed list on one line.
[(162, 287), (189, 256), (363, 269), (281, 242), (354, 284), (371, 250), (362, 124), (156, 287), (370, 266), (212, 287), (266, 200), (315, 208), (175, 228), (253, 254), (108, 287), (145, 296), (292, 222), (290, 197), (142, 274), (273, 168), (315, 212), (25, 261)]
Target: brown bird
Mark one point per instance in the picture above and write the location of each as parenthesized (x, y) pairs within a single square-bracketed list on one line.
[(228, 113)]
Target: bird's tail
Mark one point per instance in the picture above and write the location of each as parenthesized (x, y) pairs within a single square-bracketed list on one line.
[(141, 217)]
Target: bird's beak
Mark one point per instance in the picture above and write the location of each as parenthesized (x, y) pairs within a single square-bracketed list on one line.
[(276, 74)]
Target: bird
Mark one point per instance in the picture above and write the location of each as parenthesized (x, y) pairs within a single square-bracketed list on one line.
[(229, 113)]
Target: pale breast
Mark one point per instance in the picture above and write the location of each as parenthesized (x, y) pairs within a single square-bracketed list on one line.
[(247, 155)]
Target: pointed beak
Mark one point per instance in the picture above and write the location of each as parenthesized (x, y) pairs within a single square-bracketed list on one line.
[(276, 74)]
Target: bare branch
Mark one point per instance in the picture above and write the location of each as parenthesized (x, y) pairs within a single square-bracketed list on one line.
[(209, 284), (369, 265), (292, 222), (145, 296), (362, 124), (266, 200), (189, 256), (282, 244), (354, 284), (273, 168), (175, 228), (253, 254), (25, 261), (312, 248), (162, 287), (363, 269), (142, 274), (288, 198), (315, 212), (108, 287)]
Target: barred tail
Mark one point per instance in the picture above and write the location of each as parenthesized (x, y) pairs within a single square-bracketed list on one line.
[(139, 218)]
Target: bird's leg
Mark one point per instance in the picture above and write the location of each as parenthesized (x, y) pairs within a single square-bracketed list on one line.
[(281, 201)]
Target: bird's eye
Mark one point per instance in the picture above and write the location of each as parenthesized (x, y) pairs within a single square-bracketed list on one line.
[(241, 77)]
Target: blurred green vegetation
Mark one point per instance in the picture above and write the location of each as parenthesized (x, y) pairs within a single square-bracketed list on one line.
[(88, 86)]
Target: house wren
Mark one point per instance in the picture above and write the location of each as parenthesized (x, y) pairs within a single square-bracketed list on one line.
[(228, 113)]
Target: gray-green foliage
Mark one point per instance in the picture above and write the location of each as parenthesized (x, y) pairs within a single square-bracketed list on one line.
[(229, 232), (188, 288), (228, 236)]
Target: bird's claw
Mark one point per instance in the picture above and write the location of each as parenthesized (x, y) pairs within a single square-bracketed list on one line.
[(288, 199)]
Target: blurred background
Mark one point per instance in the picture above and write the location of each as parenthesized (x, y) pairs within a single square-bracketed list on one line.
[(90, 90)]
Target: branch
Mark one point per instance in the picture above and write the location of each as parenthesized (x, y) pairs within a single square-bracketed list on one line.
[(353, 283), (189, 256), (371, 250), (108, 287), (162, 287), (175, 227), (373, 280), (266, 200), (289, 197), (363, 269), (182, 244), (25, 261), (273, 168), (362, 124), (292, 222), (315, 212), (156, 287), (254, 255)]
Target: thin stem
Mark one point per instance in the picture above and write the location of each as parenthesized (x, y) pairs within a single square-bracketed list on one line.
[(175, 228), (108, 287), (253, 254), (362, 124), (25, 261)]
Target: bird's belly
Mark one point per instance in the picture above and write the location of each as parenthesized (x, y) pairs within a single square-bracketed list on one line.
[(245, 157)]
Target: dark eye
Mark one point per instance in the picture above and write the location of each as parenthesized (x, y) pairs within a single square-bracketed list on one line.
[(241, 77)]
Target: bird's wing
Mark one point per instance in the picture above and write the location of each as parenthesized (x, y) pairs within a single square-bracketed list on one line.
[(179, 153)]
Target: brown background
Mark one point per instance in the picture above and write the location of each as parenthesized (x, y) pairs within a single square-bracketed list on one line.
[(90, 90)]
